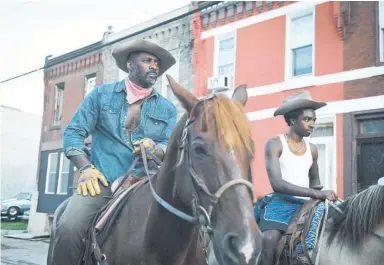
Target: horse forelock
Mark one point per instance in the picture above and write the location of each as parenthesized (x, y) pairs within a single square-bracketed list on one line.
[(363, 213), (227, 119)]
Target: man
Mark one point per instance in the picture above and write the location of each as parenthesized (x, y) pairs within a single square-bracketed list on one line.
[(291, 164), (119, 116)]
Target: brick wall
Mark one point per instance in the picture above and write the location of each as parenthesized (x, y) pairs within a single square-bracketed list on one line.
[(361, 50), (74, 91)]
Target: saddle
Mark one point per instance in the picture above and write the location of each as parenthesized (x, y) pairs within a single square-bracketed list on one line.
[(104, 219), (298, 228)]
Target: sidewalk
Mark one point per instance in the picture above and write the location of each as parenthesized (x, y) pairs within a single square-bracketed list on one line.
[(27, 251)]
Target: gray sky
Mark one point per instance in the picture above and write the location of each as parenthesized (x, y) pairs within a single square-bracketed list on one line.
[(31, 30)]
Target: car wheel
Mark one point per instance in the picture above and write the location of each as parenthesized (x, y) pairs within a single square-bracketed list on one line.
[(13, 212)]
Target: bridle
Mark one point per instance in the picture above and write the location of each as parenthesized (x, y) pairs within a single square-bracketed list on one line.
[(201, 216)]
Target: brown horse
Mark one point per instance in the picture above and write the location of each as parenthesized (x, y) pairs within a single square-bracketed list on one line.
[(202, 185)]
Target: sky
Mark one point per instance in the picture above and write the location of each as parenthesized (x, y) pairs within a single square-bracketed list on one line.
[(32, 29)]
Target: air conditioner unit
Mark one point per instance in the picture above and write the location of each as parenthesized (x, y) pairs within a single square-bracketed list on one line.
[(212, 82), (225, 82)]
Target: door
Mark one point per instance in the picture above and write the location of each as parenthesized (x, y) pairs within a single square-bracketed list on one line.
[(370, 162)]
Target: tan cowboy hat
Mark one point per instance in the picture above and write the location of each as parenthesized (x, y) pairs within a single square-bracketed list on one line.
[(298, 101), (121, 54)]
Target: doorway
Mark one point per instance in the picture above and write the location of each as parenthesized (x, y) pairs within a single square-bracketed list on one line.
[(370, 150)]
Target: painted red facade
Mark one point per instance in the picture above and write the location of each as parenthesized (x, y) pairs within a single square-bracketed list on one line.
[(261, 63)]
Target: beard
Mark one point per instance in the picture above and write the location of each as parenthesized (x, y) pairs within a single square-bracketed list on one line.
[(144, 80), (151, 78)]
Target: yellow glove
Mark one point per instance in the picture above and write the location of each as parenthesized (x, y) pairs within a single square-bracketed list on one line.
[(148, 143), (88, 181)]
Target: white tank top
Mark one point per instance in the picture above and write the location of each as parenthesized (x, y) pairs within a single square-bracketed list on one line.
[(294, 168)]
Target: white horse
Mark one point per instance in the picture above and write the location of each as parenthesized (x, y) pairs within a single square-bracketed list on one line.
[(355, 237)]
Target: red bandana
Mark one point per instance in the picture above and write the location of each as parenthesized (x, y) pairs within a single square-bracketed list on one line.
[(135, 92)]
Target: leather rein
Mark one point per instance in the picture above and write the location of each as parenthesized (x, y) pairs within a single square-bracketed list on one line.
[(201, 216)]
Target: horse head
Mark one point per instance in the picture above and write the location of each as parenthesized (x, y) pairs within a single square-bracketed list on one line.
[(212, 172)]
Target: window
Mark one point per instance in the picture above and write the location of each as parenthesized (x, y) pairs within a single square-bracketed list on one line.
[(300, 36), (381, 30), (372, 126), (23, 196), (58, 174), (50, 182), (323, 138), (63, 174), (225, 56), (90, 83), (59, 101)]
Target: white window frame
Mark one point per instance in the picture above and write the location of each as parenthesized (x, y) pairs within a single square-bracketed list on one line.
[(87, 88), (381, 30), (49, 172), (62, 157), (58, 104), (218, 39), (288, 45), (330, 178)]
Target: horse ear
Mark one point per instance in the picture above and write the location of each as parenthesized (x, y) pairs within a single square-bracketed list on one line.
[(186, 98), (241, 94)]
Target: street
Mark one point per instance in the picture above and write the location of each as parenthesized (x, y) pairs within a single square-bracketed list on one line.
[(23, 252)]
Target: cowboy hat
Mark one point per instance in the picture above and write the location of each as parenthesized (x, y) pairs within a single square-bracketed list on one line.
[(121, 54), (299, 100)]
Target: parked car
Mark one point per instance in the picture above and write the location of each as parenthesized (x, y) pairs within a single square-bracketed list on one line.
[(25, 216), (16, 206)]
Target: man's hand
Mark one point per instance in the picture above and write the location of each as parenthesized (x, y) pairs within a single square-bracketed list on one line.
[(326, 194), (148, 143), (88, 181)]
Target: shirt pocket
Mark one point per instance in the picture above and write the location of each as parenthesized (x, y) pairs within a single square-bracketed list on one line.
[(155, 127), (110, 118)]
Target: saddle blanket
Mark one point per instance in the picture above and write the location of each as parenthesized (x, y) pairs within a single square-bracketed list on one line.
[(275, 211)]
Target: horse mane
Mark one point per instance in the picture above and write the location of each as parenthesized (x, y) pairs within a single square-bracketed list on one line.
[(362, 214), (227, 117)]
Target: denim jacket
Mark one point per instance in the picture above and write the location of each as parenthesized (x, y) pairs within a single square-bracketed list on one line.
[(102, 114)]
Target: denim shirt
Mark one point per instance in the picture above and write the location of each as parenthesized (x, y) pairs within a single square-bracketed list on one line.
[(102, 114)]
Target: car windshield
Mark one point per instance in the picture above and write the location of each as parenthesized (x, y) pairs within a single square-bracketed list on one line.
[(22, 196)]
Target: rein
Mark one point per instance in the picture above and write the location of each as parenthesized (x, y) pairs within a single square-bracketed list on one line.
[(203, 219), (201, 216)]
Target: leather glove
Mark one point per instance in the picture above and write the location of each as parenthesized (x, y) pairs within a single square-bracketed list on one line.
[(88, 181), (148, 143)]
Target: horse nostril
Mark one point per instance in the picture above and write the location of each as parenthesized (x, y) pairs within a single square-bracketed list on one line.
[(230, 247)]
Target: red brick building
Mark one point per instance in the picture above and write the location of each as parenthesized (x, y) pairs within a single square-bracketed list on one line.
[(335, 50), (68, 78)]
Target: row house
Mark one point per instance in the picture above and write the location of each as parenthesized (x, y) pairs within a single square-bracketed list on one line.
[(70, 77), (334, 49)]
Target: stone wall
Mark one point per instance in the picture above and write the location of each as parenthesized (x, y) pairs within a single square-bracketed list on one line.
[(176, 37)]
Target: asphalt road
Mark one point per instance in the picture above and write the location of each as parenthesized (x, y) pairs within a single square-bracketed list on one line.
[(23, 252)]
